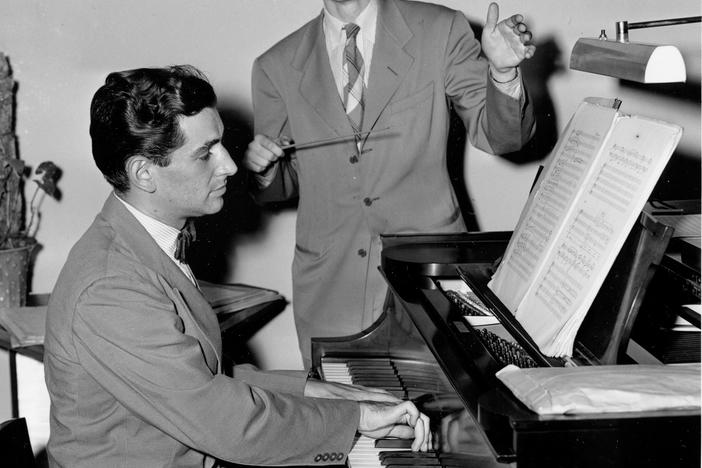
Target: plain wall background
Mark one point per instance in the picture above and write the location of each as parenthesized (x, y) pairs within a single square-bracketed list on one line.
[(61, 52)]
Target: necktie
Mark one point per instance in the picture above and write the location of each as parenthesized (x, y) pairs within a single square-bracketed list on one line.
[(186, 236), (353, 74)]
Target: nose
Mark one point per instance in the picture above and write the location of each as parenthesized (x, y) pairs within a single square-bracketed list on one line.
[(227, 166)]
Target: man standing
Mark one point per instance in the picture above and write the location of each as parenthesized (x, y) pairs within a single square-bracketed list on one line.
[(132, 348), (390, 68)]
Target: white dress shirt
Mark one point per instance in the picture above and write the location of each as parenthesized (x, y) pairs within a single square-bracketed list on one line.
[(335, 38), (164, 235)]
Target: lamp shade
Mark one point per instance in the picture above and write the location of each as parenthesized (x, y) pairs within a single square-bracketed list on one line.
[(644, 63)]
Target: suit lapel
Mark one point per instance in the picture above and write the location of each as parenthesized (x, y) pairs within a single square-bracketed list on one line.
[(145, 249), (390, 61), (317, 85)]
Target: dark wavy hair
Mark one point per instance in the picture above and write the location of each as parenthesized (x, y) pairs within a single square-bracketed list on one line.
[(136, 113)]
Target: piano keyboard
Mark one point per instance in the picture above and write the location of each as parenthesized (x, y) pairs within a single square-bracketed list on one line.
[(406, 379), (505, 352), (364, 452)]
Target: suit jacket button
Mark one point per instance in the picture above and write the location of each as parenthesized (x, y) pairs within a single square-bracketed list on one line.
[(353, 159), (317, 457), (325, 457), (367, 201), (362, 253)]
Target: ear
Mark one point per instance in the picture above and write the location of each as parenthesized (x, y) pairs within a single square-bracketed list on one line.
[(141, 174)]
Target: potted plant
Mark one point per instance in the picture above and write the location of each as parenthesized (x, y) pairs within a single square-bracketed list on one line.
[(18, 220)]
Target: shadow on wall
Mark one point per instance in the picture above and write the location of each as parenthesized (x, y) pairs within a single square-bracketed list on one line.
[(536, 73), (681, 178), (218, 234)]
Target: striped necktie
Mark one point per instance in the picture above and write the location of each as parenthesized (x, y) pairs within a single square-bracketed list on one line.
[(185, 238), (353, 76)]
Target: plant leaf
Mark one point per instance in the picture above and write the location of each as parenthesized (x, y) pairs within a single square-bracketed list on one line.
[(49, 173)]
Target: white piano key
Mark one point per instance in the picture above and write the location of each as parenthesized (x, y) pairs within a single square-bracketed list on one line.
[(363, 454)]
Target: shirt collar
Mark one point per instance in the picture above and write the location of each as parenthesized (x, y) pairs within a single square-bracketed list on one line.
[(366, 20), (164, 235)]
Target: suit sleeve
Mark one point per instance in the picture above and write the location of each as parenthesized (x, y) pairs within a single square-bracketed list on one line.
[(271, 119), (495, 122), (130, 339), (273, 380)]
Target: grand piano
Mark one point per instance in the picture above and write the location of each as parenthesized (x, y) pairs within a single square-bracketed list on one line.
[(422, 348)]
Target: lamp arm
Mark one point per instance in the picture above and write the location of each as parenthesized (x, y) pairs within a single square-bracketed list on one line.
[(665, 22), (622, 27)]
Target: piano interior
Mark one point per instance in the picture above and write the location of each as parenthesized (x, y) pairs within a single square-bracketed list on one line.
[(436, 345)]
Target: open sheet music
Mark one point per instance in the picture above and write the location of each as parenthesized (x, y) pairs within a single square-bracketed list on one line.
[(577, 218)]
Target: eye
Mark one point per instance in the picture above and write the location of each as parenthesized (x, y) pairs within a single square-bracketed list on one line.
[(205, 154)]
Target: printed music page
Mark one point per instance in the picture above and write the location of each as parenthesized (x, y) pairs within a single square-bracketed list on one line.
[(548, 203), (578, 219)]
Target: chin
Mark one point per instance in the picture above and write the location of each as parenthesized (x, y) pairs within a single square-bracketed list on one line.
[(215, 207)]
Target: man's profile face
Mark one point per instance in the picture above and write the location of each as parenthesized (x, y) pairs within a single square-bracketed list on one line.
[(194, 182)]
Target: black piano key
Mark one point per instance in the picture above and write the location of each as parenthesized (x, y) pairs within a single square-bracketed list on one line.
[(379, 383), (461, 461), (424, 461), (363, 376), (427, 380), (369, 363), (371, 377), (393, 443), (375, 367), (363, 372), (417, 371), (431, 458), (385, 454), (408, 465), (412, 463), (383, 373), (376, 378)]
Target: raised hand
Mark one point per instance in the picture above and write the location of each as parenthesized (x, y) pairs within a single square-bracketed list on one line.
[(507, 43)]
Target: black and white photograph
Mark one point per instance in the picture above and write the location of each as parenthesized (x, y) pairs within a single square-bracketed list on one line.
[(351, 233)]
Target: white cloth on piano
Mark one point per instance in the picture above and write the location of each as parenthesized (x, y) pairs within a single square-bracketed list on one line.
[(603, 389)]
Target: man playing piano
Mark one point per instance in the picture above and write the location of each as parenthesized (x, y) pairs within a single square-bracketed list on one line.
[(133, 350), (387, 71)]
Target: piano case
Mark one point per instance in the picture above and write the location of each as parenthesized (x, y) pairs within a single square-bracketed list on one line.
[(413, 267)]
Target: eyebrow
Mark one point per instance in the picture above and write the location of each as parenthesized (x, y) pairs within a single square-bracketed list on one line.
[(207, 145)]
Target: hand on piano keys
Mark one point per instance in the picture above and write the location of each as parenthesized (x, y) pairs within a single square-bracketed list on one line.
[(382, 413), (402, 420)]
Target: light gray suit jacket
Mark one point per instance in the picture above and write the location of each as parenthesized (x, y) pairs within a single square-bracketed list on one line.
[(425, 57), (132, 363)]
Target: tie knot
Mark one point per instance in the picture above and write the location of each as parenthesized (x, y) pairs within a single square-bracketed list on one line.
[(351, 30)]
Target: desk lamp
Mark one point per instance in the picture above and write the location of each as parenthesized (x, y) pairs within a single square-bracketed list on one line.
[(634, 61)]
